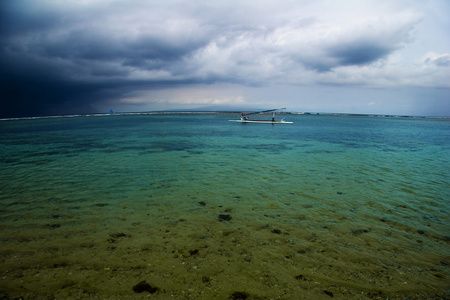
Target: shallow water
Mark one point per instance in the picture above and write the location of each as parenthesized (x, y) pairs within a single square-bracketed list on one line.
[(330, 206)]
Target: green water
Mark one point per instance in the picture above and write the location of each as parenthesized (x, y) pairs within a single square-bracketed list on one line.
[(364, 188)]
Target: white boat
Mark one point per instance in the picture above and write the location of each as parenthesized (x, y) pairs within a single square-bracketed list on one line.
[(245, 119)]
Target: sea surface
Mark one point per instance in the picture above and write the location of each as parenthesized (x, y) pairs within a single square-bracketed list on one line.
[(191, 206)]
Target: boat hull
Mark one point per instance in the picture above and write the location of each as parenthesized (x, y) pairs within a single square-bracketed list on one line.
[(262, 121)]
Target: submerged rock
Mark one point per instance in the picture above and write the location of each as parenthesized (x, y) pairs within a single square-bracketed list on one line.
[(52, 226), (239, 295), (144, 287), (193, 252), (301, 277), (224, 217), (359, 231), (329, 293), (118, 235)]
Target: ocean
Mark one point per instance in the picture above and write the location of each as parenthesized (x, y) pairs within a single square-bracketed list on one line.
[(191, 206)]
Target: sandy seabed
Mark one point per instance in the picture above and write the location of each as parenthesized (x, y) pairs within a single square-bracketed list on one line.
[(211, 251)]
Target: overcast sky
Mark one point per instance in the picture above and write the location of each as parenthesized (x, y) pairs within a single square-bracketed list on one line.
[(83, 56)]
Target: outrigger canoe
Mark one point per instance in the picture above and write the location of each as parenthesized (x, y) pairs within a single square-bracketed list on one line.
[(245, 119)]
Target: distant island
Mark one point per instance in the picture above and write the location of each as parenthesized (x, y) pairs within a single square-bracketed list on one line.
[(226, 112)]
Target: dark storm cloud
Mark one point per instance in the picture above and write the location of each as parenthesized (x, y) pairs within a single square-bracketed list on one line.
[(67, 57), (61, 61), (17, 18), (360, 54), (32, 88), (361, 46)]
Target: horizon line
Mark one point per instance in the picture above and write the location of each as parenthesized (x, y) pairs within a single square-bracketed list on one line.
[(176, 111)]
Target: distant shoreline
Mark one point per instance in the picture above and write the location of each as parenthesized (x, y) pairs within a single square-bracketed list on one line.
[(222, 112)]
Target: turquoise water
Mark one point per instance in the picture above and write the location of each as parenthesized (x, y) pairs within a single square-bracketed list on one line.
[(367, 189)]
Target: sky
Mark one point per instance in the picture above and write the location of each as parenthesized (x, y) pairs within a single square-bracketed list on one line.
[(339, 56)]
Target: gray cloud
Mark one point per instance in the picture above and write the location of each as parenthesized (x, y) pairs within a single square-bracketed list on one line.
[(68, 58), (360, 53), (440, 60)]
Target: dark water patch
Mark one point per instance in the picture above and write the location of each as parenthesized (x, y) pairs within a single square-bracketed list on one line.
[(165, 186), (10, 161), (79, 147), (195, 152), (25, 203), (388, 134), (119, 235), (302, 145), (52, 226), (431, 217), (115, 236), (271, 148), (133, 148), (174, 146), (359, 231), (50, 153), (319, 151), (38, 154), (33, 161), (158, 147), (111, 150), (388, 150), (353, 145)]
